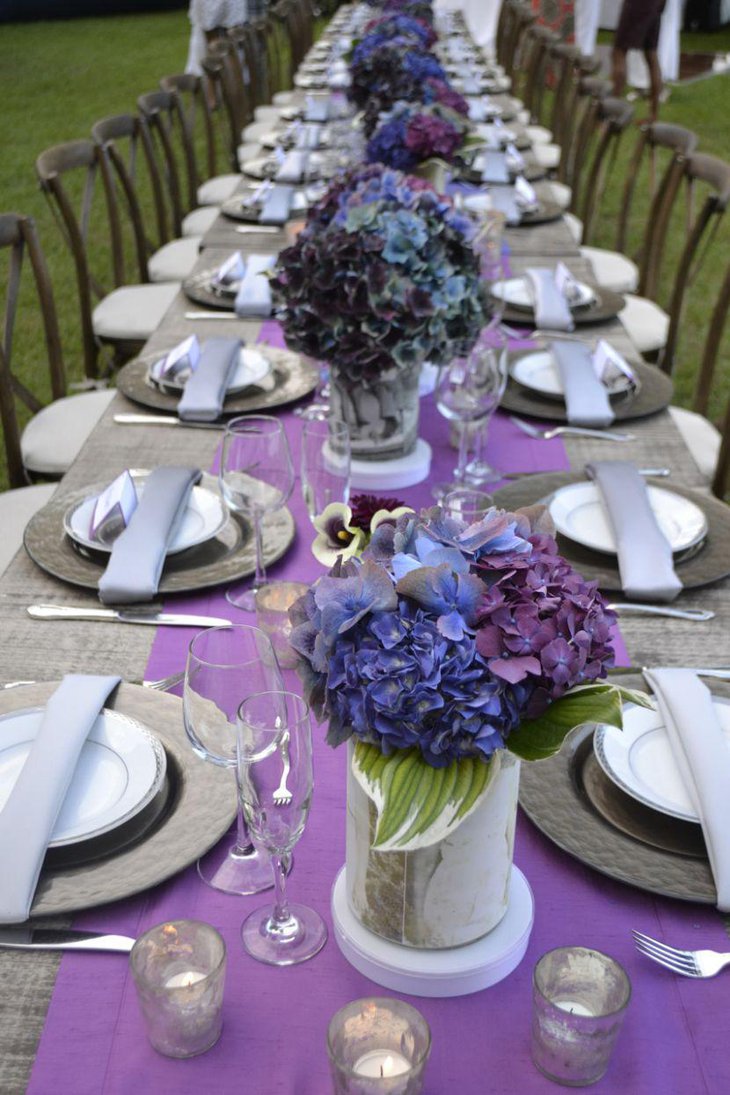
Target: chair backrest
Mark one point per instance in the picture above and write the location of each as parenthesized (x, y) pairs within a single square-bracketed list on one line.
[(223, 70), (721, 481), (534, 69), (160, 113), (568, 67), (592, 90), (253, 67), (522, 16), (714, 175), (66, 171), (613, 118), (194, 129), (19, 239)]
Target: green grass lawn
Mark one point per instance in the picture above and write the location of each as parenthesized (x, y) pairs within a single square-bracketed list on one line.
[(57, 78)]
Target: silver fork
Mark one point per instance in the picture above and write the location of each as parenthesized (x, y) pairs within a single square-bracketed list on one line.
[(282, 795), (571, 431), (688, 963)]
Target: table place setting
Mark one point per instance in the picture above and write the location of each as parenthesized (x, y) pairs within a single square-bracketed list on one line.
[(268, 207), (551, 297), (238, 285)]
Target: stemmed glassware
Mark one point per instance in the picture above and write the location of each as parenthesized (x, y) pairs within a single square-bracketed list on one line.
[(492, 344), (320, 405), (275, 775), (325, 466), (256, 477), (224, 665)]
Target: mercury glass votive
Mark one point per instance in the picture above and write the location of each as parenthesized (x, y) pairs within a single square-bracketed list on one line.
[(179, 970), (273, 601), (580, 998), (378, 1046)]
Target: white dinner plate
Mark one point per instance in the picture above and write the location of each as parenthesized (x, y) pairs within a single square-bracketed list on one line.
[(639, 759), (267, 167), (121, 768), (203, 519), (273, 139), (252, 368), (539, 372), (578, 512), (516, 292)]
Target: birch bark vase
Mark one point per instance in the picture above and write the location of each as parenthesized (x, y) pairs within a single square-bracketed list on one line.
[(446, 893)]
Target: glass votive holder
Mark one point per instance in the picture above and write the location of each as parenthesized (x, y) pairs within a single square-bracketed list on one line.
[(179, 970), (273, 601), (378, 1046), (468, 504), (579, 1002)]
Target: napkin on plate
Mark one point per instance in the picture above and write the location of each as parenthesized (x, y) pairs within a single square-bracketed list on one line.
[(700, 751), (28, 817), (254, 296), (586, 398), (480, 110), (308, 136), (138, 555), (644, 555), (294, 167), (493, 166), (317, 108), (550, 306), (504, 200), (205, 391), (276, 205)]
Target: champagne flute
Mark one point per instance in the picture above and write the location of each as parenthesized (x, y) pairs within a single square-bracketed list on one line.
[(325, 464), (224, 665), (256, 477), (275, 773), (493, 345)]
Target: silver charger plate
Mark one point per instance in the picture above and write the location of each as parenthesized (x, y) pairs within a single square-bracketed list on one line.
[(225, 558), (516, 293), (200, 811)]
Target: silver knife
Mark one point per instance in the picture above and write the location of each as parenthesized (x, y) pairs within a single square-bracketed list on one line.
[(24, 937), (231, 317), (629, 608), (248, 229), (125, 616), (164, 420)]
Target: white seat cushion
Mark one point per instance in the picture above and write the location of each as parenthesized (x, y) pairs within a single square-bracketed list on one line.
[(16, 509), (53, 438), (557, 192), (215, 191), (575, 225), (546, 155), (200, 220), (646, 324), (612, 269), (283, 98), (538, 134), (267, 113), (175, 260), (701, 438), (255, 131), (248, 151), (133, 312)]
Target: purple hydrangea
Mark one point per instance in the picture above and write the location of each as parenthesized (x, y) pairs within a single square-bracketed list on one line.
[(411, 133)]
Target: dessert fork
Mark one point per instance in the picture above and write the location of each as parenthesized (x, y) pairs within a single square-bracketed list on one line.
[(689, 963), (282, 796)]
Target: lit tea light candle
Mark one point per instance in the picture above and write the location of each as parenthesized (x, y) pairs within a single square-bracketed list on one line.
[(573, 1007), (378, 1047), (381, 1064), (185, 979), (273, 601)]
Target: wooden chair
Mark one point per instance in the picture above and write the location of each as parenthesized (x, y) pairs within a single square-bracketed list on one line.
[(223, 70), (125, 315), (127, 144), (721, 477), (49, 442)]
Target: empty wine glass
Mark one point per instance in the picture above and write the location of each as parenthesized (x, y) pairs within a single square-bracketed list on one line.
[(275, 774), (256, 477), (468, 391), (320, 405), (493, 345), (224, 665), (325, 464)]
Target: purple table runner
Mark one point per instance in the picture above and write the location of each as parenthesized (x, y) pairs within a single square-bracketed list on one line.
[(275, 1020)]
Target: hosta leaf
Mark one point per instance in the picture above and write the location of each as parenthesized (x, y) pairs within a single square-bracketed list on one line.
[(418, 805), (537, 739)]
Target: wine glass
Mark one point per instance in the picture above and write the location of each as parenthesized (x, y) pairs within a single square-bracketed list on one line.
[(493, 345), (275, 775), (467, 392), (320, 405), (325, 464), (224, 665), (256, 477)]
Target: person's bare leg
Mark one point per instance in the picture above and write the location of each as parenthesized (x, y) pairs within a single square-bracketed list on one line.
[(618, 66), (655, 81)]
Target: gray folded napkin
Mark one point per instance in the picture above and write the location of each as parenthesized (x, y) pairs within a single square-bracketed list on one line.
[(28, 817), (308, 136), (700, 751), (644, 555), (480, 110), (550, 306), (276, 205), (205, 391), (294, 167), (254, 297), (586, 398), (493, 166), (504, 200), (471, 83), (317, 109), (138, 555)]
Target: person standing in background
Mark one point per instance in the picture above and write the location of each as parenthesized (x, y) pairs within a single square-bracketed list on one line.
[(208, 19), (638, 28)]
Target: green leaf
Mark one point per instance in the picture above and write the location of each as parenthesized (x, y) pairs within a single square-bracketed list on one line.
[(418, 805), (537, 739)]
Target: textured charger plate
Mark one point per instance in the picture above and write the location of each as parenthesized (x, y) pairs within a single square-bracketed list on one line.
[(710, 563), (198, 289), (546, 213), (605, 306), (227, 557), (653, 395), (533, 172), (553, 796), (202, 809), (296, 377)]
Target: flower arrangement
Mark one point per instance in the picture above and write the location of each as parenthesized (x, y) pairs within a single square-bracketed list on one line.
[(447, 643), (382, 66), (383, 275), (413, 132), (391, 24), (344, 531)]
